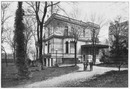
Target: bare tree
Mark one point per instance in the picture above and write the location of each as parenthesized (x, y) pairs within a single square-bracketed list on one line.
[(101, 21), (4, 18), (34, 34), (75, 32), (97, 19), (28, 32), (40, 12), (76, 12), (3, 50), (10, 40)]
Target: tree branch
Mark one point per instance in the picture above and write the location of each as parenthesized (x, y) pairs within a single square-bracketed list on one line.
[(45, 11), (53, 4)]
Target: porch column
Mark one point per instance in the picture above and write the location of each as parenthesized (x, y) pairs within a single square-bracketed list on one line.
[(48, 62)]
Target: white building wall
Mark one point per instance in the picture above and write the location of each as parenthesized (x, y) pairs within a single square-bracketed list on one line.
[(58, 45)]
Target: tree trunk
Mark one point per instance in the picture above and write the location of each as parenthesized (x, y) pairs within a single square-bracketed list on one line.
[(14, 56), (37, 53), (6, 58), (75, 42), (40, 48), (93, 45)]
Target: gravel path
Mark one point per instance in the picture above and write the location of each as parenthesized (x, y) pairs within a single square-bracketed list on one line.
[(71, 78)]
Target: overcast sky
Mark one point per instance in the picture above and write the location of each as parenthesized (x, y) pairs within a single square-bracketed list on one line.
[(108, 10)]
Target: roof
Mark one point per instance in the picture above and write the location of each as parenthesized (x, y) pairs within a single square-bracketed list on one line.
[(71, 20)]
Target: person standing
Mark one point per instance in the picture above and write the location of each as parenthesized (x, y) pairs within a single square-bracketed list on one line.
[(91, 65), (87, 62)]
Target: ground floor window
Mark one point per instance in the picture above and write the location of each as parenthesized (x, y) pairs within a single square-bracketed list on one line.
[(71, 46), (67, 47)]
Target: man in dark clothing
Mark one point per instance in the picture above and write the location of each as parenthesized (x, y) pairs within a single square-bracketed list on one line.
[(91, 65)]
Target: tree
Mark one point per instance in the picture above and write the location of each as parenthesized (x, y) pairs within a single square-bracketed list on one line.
[(76, 12), (101, 21), (20, 43), (28, 32), (75, 32), (4, 18), (34, 34), (119, 42), (3, 49), (40, 18), (10, 39), (105, 54)]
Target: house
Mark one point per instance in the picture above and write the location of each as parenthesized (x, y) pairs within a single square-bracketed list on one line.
[(58, 43)]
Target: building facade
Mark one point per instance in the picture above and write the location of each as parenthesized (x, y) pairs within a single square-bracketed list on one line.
[(58, 43)]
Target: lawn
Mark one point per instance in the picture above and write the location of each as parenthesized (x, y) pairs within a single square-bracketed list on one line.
[(111, 65), (109, 79), (9, 72)]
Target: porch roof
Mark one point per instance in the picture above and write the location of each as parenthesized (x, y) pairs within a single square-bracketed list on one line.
[(99, 46)]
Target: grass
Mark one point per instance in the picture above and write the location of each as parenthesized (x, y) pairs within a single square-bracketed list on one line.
[(109, 79), (111, 65), (9, 79)]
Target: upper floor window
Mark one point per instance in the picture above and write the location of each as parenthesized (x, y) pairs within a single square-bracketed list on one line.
[(66, 31), (48, 46), (48, 31)]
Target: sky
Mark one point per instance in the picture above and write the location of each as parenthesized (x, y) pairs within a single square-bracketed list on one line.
[(105, 9)]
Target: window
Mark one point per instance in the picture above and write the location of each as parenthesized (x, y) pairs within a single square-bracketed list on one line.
[(66, 31), (48, 31), (71, 46), (48, 46), (67, 47)]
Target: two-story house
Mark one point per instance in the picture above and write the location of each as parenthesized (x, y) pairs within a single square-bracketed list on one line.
[(58, 44)]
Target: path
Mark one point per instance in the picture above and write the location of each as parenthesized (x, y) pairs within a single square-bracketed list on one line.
[(78, 76)]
